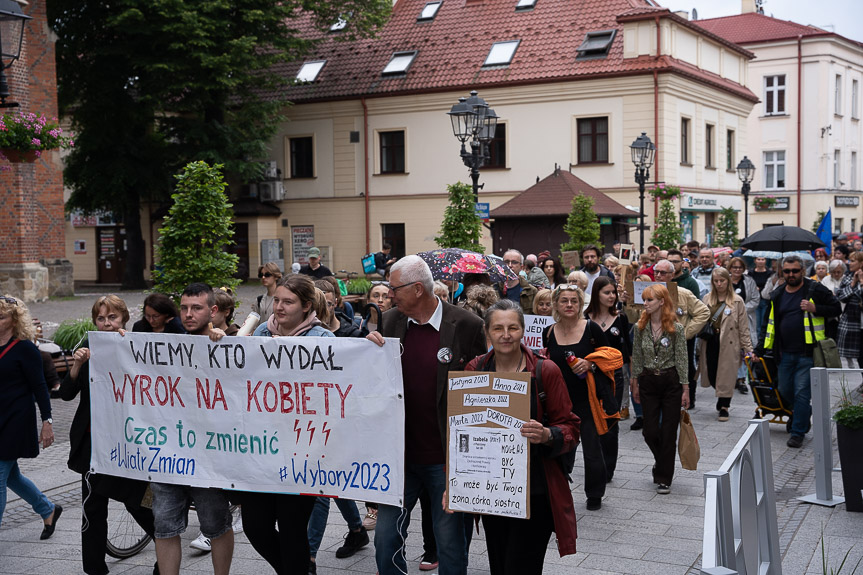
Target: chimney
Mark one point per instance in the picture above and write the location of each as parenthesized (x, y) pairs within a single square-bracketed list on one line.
[(747, 7), (683, 14)]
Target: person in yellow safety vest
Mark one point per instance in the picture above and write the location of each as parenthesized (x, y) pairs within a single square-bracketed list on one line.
[(794, 323)]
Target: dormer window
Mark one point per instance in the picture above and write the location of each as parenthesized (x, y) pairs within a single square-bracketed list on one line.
[(525, 5), (596, 45), (310, 70), (399, 63), (339, 25), (501, 53), (429, 11)]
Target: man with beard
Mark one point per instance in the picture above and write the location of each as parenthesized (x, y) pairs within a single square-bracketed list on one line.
[(592, 267), (795, 323), (703, 272)]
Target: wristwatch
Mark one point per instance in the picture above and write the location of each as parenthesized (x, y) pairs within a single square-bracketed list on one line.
[(49, 420)]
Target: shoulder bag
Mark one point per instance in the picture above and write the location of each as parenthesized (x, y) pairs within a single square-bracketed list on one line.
[(824, 352), (708, 332)]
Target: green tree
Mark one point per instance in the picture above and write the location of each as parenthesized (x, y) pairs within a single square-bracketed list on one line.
[(726, 231), (582, 225), (461, 227), (669, 232), (196, 232), (817, 222), (151, 86)]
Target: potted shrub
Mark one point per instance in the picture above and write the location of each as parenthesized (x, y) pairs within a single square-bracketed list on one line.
[(24, 136), (849, 437)]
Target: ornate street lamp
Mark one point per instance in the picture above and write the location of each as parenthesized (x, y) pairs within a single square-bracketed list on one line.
[(11, 37), (472, 120), (745, 171), (643, 151)]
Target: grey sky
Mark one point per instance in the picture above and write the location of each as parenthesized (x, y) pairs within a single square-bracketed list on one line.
[(845, 16)]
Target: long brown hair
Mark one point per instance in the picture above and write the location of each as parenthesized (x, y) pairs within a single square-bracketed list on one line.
[(658, 291)]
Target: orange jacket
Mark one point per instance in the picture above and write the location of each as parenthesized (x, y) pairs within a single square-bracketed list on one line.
[(607, 360)]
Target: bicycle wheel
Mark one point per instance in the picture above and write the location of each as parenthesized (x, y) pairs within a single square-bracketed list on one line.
[(125, 536)]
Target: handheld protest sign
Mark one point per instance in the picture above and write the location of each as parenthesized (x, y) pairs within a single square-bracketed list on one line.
[(571, 260), (624, 256), (488, 460), (533, 327)]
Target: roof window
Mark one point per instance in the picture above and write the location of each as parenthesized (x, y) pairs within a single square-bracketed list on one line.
[(525, 5), (501, 53), (596, 45), (399, 63), (310, 70), (429, 11), (339, 25)]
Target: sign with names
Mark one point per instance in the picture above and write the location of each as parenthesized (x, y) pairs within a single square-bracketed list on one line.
[(283, 415), (533, 327), (488, 460)]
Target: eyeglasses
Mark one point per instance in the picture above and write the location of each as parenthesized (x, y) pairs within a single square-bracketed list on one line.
[(265, 275), (331, 304), (512, 262), (394, 288), (677, 261), (737, 267), (10, 300), (792, 271), (657, 272)]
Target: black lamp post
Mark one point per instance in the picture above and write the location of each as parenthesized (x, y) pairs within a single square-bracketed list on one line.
[(11, 37), (473, 120), (643, 151), (745, 171)]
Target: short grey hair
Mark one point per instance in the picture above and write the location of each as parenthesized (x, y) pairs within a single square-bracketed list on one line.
[(503, 305), (821, 263), (413, 269), (512, 251), (665, 265), (836, 264), (792, 259)]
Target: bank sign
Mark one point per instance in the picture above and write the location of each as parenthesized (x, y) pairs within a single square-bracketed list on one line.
[(709, 202)]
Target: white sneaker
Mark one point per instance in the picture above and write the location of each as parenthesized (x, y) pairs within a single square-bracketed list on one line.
[(201, 543), (237, 526)]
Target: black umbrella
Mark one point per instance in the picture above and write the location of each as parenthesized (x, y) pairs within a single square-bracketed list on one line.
[(782, 239)]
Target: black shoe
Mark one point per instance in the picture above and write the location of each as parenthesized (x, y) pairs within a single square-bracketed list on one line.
[(742, 387), (354, 541), (313, 568), (156, 568), (723, 414), (594, 503), (638, 424), (795, 441), (48, 530), (429, 561)]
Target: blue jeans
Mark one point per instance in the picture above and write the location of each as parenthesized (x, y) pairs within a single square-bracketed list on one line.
[(10, 476), (392, 528), (794, 387), (320, 514)]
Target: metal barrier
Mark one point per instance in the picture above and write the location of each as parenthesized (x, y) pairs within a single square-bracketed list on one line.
[(741, 534), (822, 437)]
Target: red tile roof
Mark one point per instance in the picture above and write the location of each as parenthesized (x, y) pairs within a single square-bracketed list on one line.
[(553, 195), (752, 28), (453, 46)]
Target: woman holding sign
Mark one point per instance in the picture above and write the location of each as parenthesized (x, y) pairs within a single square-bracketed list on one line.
[(659, 380), (517, 546), (286, 549), (110, 314)]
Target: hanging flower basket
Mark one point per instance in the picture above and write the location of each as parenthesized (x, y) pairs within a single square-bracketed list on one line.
[(19, 157), (663, 192), (764, 202), (24, 136)]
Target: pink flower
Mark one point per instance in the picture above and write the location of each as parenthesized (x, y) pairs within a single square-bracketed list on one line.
[(36, 142)]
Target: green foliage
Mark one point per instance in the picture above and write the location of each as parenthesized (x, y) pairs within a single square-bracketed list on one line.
[(71, 331), (726, 231), (25, 132), (669, 232), (819, 216), (582, 225), (663, 192), (461, 227), (849, 414), (359, 286), (825, 559), (195, 233)]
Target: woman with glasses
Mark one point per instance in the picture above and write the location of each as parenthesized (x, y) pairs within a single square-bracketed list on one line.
[(23, 386), (850, 294), (160, 316), (745, 286), (659, 380), (721, 353), (269, 274), (569, 341)]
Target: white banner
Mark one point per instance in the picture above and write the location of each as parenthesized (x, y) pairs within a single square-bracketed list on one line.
[(533, 326), (307, 415)]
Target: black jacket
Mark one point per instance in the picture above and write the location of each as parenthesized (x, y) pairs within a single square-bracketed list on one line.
[(826, 305)]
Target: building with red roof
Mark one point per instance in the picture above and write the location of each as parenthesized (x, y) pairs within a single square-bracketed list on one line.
[(804, 136)]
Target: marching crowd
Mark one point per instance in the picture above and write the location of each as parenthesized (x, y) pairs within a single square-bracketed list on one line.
[(612, 352)]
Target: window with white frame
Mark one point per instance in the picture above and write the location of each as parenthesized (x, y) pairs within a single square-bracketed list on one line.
[(399, 63), (501, 53), (837, 170), (838, 95), (855, 99), (774, 95), (854, 171), (838, 225), (774, 170)]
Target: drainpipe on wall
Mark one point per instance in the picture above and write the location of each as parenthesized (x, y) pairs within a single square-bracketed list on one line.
[(366, 166), (799, 114), (656, 117)]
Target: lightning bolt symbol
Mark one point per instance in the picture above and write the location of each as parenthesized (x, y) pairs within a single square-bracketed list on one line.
[(326, 432), (297, 429), (311, 431)]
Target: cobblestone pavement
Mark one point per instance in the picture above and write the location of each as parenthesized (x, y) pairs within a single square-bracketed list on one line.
[(635, 532)]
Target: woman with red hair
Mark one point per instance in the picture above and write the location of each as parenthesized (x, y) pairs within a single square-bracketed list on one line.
[(659, 380)]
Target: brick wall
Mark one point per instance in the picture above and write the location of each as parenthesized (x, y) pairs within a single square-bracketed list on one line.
[(31, 195)]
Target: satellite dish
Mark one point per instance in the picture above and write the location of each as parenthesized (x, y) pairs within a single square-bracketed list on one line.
[(694, 14)]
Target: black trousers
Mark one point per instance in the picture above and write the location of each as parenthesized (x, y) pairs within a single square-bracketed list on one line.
[(591, 450), (610, 440), (286, 550), (517, 546), (660, 402), (94, 522), (690, 352)]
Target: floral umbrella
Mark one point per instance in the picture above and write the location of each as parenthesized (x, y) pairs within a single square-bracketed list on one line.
[(454, 263)]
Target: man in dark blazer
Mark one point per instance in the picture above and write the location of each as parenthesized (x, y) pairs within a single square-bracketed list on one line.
[(437, 338)]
